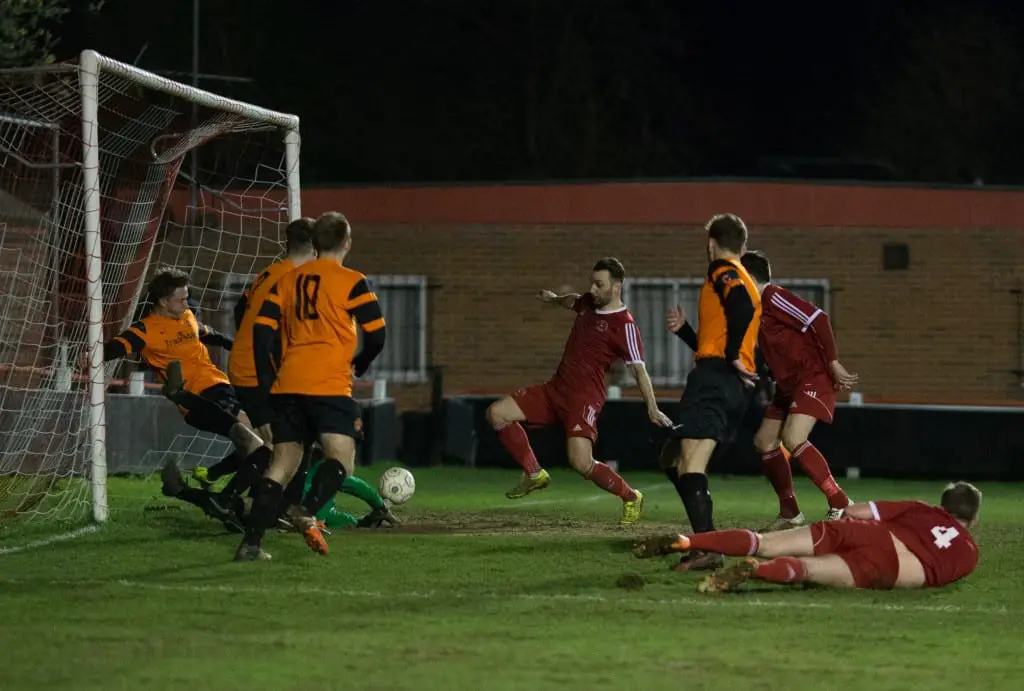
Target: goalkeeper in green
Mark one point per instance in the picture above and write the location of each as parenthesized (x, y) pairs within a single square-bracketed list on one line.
[(329, 516), (332, 517)]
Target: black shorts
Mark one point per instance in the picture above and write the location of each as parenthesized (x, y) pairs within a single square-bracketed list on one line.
[(256, 405), (714, 402), (302, 419), (213, 410)]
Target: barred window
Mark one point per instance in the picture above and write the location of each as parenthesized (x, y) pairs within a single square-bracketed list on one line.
[(669, 359), (403, 300)]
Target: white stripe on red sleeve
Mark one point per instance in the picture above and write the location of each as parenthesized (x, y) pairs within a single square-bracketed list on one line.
[(794, 311), (634, 345)]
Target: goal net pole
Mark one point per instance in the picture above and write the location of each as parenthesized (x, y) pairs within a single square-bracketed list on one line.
[(91, 64)]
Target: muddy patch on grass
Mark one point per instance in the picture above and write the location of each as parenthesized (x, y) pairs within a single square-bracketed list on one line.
[(515, 523)]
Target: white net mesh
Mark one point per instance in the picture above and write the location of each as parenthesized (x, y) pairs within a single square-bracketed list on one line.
[(222, 227)]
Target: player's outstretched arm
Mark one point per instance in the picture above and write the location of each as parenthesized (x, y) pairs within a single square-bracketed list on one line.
[(567, 301), (131, 341), (363, 306), (210, 337)]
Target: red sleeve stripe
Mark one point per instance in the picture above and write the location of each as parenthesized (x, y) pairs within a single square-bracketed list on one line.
[(792, 310), (633, 345)]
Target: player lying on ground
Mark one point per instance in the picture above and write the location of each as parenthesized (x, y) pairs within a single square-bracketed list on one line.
[(330, 516), (173, 343), (799, 349), (881, 545), (721, 385), (603, 332), (305, 339)]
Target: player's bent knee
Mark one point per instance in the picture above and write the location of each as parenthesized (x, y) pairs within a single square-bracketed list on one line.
[(285, 461), (793, 441), (581, 455), (696, 454), (504, 411), (341, 447), (766, 439), (797, 430)]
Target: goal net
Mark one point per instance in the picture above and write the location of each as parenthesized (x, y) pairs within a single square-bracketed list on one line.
[(98, 187)]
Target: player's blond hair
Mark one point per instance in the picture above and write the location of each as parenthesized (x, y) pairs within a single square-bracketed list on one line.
[(962, 500)]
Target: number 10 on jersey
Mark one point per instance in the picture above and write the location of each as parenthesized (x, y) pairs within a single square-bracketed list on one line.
[(307, 291)]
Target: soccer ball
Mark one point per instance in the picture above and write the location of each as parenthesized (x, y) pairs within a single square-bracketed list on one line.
[(397, 485)]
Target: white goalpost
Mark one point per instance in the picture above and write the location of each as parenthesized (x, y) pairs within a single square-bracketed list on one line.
[(92, 198)]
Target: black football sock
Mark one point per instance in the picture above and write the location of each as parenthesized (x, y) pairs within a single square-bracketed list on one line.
[(326, 483), (228, 465), (693, 489), (265, 508), (249, 471)]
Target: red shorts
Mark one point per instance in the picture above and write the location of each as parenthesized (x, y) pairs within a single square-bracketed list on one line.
[(816, 398), (544, 405), (865, 546)]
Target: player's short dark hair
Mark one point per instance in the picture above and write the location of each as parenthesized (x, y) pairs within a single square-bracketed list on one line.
[(165, 281), (728, 231), (330, 231), (757, 265), (962, 500), (298, 235), (614, 268)]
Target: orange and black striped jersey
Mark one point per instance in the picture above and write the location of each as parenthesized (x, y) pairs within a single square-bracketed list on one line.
[(729, 314), (158, 340), (242, 365), (315, 311)]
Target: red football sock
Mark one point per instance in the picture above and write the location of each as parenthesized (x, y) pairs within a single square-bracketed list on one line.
[(781, 570), (732, 543), (607, 479), (513, 438), (779, 473), (816, 467)]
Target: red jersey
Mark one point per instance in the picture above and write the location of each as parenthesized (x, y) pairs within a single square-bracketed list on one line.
[(597, 340), (944, 547), (795, 339)]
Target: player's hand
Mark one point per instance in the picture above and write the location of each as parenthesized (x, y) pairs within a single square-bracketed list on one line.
[(842, 379), (659, 418), (546, 296), (83, 362), (748, 378), (675, 318)]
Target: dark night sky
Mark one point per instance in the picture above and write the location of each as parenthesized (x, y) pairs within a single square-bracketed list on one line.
[(437, 90)]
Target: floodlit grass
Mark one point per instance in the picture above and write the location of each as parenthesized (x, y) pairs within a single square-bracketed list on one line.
[(477, 592)]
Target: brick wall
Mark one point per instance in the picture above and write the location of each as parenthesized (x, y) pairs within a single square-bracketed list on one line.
[(945, 330)]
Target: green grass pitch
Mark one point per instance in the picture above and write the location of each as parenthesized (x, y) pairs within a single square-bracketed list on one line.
[(477, 592)]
